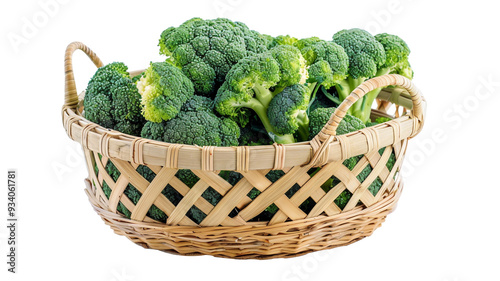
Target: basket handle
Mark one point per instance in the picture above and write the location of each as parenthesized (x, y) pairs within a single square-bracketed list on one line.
[(70, 93), (328, 132)]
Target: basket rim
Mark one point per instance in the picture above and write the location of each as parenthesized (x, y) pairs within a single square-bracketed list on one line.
[(115, 144)]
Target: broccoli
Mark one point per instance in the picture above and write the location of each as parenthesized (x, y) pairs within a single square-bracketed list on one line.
[(112, 100), (153, 130), (328, 65), (283, 40), (255, 80), (397, 52), (328, 62), (194, 128), (320, 116), (370, 56), (164, 89), (205, 50), (198, 103), (287, 111)]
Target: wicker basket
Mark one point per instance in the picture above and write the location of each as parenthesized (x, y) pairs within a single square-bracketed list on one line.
[(291, 231)]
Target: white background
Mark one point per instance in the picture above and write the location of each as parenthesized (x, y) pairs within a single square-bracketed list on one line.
[(445, 227)]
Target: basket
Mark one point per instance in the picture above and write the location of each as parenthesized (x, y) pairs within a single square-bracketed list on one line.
[(291, 231)]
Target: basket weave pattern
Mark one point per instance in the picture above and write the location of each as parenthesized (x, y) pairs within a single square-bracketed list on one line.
[(291, 231)]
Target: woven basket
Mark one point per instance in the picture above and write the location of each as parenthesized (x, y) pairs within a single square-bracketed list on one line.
[(291, 231)]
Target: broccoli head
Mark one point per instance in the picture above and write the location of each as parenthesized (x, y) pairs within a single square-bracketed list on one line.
[(112, 100), (328, 62), (198, 103), (320, 116), (365, 53), (366, 56), (205, 50), (164, 89), (287, 111), (194, 128), (283, 40), (254, 81), (397, 52)]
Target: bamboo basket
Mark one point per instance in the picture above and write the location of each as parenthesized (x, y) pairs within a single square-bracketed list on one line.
[(291, 231)]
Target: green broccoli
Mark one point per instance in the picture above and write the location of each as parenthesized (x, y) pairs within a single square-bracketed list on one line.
[(255, 80), (198, 103), (194, 128), (328, 64), (283, 40), (164, 89), (370, 56), (112, 100), (205, 50), (320, 116), (397, 52), (287, 111)]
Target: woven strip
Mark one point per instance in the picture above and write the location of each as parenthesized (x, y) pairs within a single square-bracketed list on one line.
[(396, 128), (172, 157), (279, 156), (104, 141), (345, 147), (242, 158), (320, 152), (136, 150), (68, 124), (207, 158), (85, 133), (372, 138)]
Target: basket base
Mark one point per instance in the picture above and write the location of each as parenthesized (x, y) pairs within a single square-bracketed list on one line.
[(283, 240)]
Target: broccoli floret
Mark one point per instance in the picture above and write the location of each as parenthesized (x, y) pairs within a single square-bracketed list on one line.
[(194, 128), (254, 81), (198, 103), (153, 131), (287, 111), (397, 52), (164, 89), (112, 100), (283, 40), (366, 55), (205, 50), (370, 56), (328, 64), (320, 116)]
